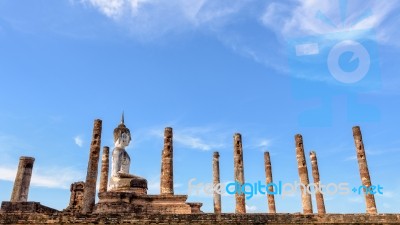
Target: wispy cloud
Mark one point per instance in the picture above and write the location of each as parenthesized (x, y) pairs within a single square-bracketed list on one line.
[(261, 144), (272, 23), (60, 178), (251, 208), (375, 151), (195, 142), (149, 19), (200, 138), (78, 141), (322, 17)]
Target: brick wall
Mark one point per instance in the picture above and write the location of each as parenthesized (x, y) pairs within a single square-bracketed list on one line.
[(224, 218)]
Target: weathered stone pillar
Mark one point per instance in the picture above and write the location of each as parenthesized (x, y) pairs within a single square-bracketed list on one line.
[(89, 193), (303, 174), (364, 173), (239, 172), (167, 173), (22, 179), (315, 173), (268, 175), (76, 198), (216, 184), (104, 169)]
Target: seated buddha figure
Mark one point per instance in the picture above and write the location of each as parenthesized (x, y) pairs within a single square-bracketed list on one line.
[(120, 179)]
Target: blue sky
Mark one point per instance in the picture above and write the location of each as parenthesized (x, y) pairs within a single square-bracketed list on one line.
[(208, 69)]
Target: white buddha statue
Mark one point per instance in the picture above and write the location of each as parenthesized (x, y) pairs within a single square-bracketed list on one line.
[(121, 180)]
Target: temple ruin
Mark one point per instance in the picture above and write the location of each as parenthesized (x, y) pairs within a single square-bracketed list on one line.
[(319, 197), (216, 183), (123, 198), (303, 174), (269, 180)]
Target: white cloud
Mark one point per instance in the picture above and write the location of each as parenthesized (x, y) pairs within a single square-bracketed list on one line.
[(311, 17), (264, 143), (50, 178), (194, 142), (149, 19), (251, 208), (115, 8), (78, 141), (200, 138)]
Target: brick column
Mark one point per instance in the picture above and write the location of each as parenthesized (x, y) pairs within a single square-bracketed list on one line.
[(315, 173), (89, 193), (75, 200), (22, 179), (239, 172), (216, 183), (303, 174), (167, 173), (268, 175), (104, 169), (364, 173)]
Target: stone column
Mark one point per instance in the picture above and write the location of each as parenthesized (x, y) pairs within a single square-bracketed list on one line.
[(216, 183), (315, 173), (22, 179), (167, 173), (303, 174), (104, 169), (239, 172), (268, 174), (89, 193), (364, 173)]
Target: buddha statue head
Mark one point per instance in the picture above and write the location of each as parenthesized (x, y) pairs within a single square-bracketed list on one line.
[(122, 135)]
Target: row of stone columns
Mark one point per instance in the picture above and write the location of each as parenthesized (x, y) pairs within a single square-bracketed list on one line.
[(240, 206), (24, 173)]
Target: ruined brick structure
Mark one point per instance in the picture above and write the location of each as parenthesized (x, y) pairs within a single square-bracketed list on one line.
[(364, 172), (303, 174), (129, 203), (76, 198), (105, 160), (22, 180), (167, 173), (238, 172), (319, 197), (216, 183), (89, 194), (19, 198), (129, 192), (268, 180)]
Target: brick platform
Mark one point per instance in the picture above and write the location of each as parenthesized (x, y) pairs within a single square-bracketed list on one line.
[(205, 218)]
